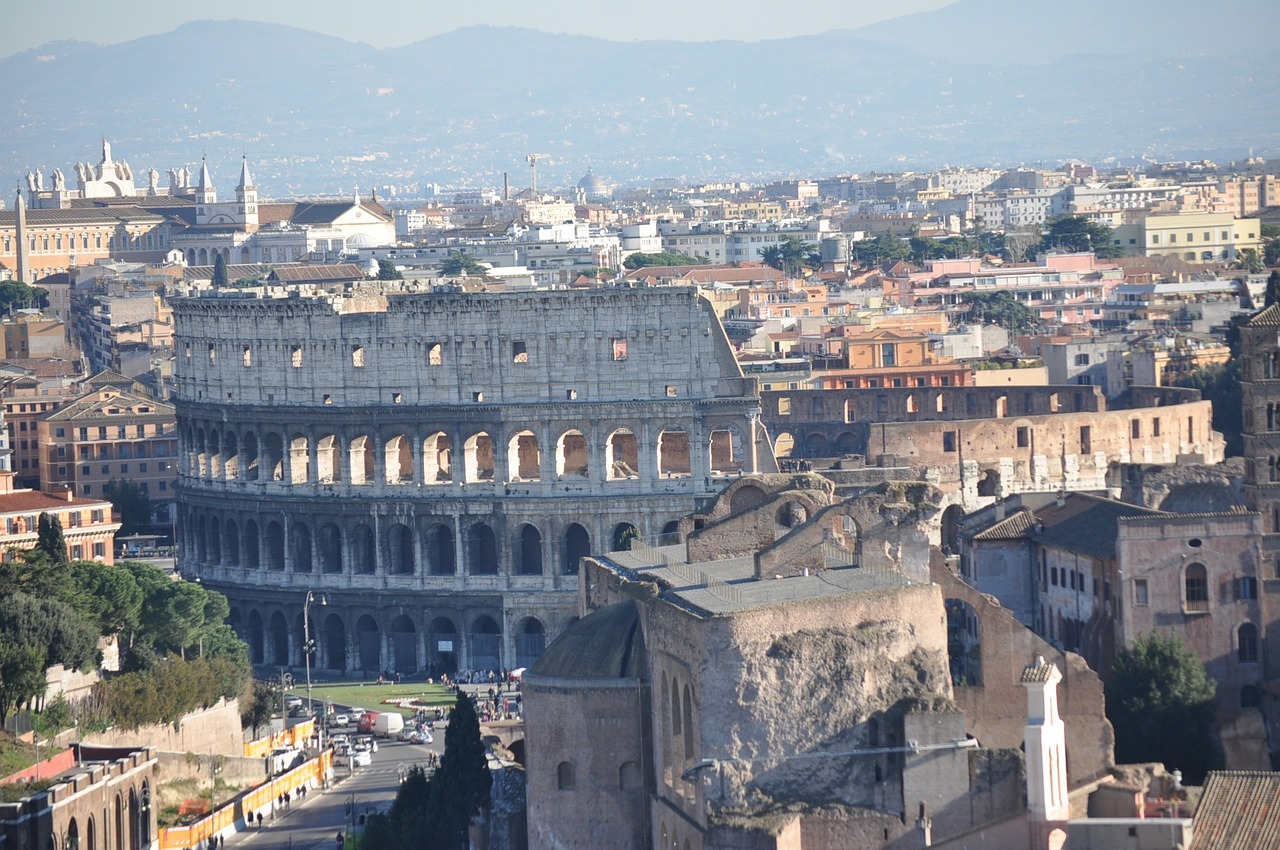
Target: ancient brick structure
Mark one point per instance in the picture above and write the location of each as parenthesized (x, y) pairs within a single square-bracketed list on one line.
[(437, 462)]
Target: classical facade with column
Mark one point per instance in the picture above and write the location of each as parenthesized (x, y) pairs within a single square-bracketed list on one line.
[(436, 461)]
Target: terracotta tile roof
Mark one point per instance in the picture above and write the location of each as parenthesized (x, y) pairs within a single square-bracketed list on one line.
[(341, 272), (1038, 670), (1085, 524), (28, 501), (1268, 317), (1240, 810), (1010, 528)]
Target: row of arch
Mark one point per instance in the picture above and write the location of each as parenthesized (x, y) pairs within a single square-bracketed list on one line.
[(119, 826), (815, 445), (401, 459), (401, 547), (398, 645)]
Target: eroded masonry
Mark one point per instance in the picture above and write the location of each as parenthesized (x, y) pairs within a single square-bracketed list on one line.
[(437, 462)]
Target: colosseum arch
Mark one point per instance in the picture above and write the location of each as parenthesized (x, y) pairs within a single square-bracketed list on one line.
[(300, 537), (368, 643), (404, 645), (328, 459), (329, 546), (252, 463), (274, 538), (846, 443), (670, 535), (623, 534), (482, 550), (747, 497), (441, 553), (279, 630), (214, 545), (622, 455), (528, 550), (989, 483), (530, 640), (784, 445), (816, 445), (299, 459), (577, 545), (725, 447), (201, 466), (231, 542), (478, 458), (673, 454), (334, 641), (364, 550), (524, 459), (444, 648), (215, 454), (251, 559), (230, 457), (571, 455), (398, 460), (401, 550), (486, 644), (273, 457), (254, 637), (951, 520), (360, 460), (437, 459)]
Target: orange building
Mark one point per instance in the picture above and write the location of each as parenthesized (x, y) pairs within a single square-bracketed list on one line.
[(892, 358), (87, 524)]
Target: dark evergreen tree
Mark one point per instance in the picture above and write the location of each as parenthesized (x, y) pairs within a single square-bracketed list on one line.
[(1273, 289), (387, 271), (220, 271), (460, 787), (49, 539)]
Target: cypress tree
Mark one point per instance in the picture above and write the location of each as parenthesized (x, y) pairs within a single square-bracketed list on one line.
[(460, 788), (49, 539)]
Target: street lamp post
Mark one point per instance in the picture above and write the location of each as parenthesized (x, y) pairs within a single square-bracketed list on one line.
[(308, 648)]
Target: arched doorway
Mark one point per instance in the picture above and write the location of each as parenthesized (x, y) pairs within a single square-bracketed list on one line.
[(404, 645), (486, 644), (531, 639), (334, 641), (577, 545), (444, 647), (369, 643)]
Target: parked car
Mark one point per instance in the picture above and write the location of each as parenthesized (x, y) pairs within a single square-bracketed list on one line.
[(292, 702), (407, 733), (361, 757), (341, 720)]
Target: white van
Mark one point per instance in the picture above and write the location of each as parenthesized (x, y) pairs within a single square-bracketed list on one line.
[(388, 724)]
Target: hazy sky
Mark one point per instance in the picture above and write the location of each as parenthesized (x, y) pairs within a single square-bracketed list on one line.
[(391, 23)]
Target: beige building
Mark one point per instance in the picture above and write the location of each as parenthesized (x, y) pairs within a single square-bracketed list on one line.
[(87, 524), (1191, 235)]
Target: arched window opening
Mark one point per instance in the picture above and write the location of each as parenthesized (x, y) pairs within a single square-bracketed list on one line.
[(571, 455), (673, 454), (482, 551), (251, 559), (275, 546), (400, 548), (364, 550), (478, 452), (531, 640), (529, 551), (398, 460), (577, 545), (369, 643), (444, 648), (334, 641), (273, 458), (440, 550), (437, 459), (328, 459), (301, 546), (1247, 644), (1196, 587), (726, 452), (299, 460), (622, 455), (486, 644), (360, 460), (524, 458), (330, 544)]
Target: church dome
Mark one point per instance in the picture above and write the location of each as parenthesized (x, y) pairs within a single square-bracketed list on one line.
[(605, 644), (593, 186)]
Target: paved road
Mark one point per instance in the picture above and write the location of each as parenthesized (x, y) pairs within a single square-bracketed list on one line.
[(316, 822)]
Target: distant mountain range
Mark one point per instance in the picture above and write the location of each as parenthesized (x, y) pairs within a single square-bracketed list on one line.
[(977, 82)]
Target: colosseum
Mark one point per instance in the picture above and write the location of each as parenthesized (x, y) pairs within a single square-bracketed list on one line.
[(432, 464)]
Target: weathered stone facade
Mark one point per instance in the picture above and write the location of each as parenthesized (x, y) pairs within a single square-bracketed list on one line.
[(438, 462)]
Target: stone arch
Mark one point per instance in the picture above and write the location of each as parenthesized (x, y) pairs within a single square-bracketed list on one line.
[(989, 483), (252, 462), (572, 458), (215, 542), (670, 535), (951, 520), (524, 458), (202, 544), (792, 513), (623, 535), (334, 641), (360, 460), (746, 497), (482, 550), (329, 544), (486, 644), (577, 545), (299, 459), (444, 649), (231, 542), (273, 457), (437, 459), (274, 539), (784, 445), (441, 555), (531, 640), (404, 645), (279, 630), (254, 637), (251, 558), (687, 711), (725, 451), (364, 551), (622, 455), (964, 644), (215, 454), (368, 643), (328, 459), (1247, 643), (478, 458), (846, 443), (1195, 583), (398, 460), (300, 547), (816, 445), (401, 550), (673, 454), (230, 457), (668, 772), (528, 550)]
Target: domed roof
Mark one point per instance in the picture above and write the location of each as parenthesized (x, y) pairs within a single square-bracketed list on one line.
[(361, 240), (592, 184), (605, 644)]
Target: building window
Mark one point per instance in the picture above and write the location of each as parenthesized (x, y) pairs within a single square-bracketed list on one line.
[(357, 356), (519, 352), (1024, 437), (1086, 439), (1247, 644), (784, 406), (213, 354), (888, 354), (77, 553), (619, 349), (1197, 588), (295, 356), (565, 779), (99, 550), (435, 355), (246, 356), (1246, 587), (948, 441), (1135, 428), (1155, 427), (1140, 592), (1082, 360)]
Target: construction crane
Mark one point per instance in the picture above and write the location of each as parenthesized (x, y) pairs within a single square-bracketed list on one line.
[(533, 170)]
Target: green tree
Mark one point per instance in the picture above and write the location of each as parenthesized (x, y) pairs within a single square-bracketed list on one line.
[(133, 505), (1220, 384), (1161, 703), (1250, 261), (1273, 289), (15, 295), (460, 263), (21, 675), (410, 814), (1079, 234), (1001, 308), (378, 832), (792, 255), (640, 259), (109, 595), (259, 707), (49, 539), (387, 271), (460, 788), (220, 271), (884, 248), (64, 636)]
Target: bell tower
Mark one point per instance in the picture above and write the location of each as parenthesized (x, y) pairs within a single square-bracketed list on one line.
[(246, 199)]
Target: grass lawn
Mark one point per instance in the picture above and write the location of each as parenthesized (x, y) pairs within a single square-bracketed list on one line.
[(370, 694), (13, 755)]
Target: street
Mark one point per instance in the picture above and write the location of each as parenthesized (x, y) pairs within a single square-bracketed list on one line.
[(316, 821)]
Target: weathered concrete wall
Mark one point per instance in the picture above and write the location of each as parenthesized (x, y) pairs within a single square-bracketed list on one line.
[(213, 730)]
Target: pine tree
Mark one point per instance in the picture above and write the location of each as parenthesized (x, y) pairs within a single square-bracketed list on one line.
[(1273, 289), (49, 539), (220, 271), (460, 788)]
